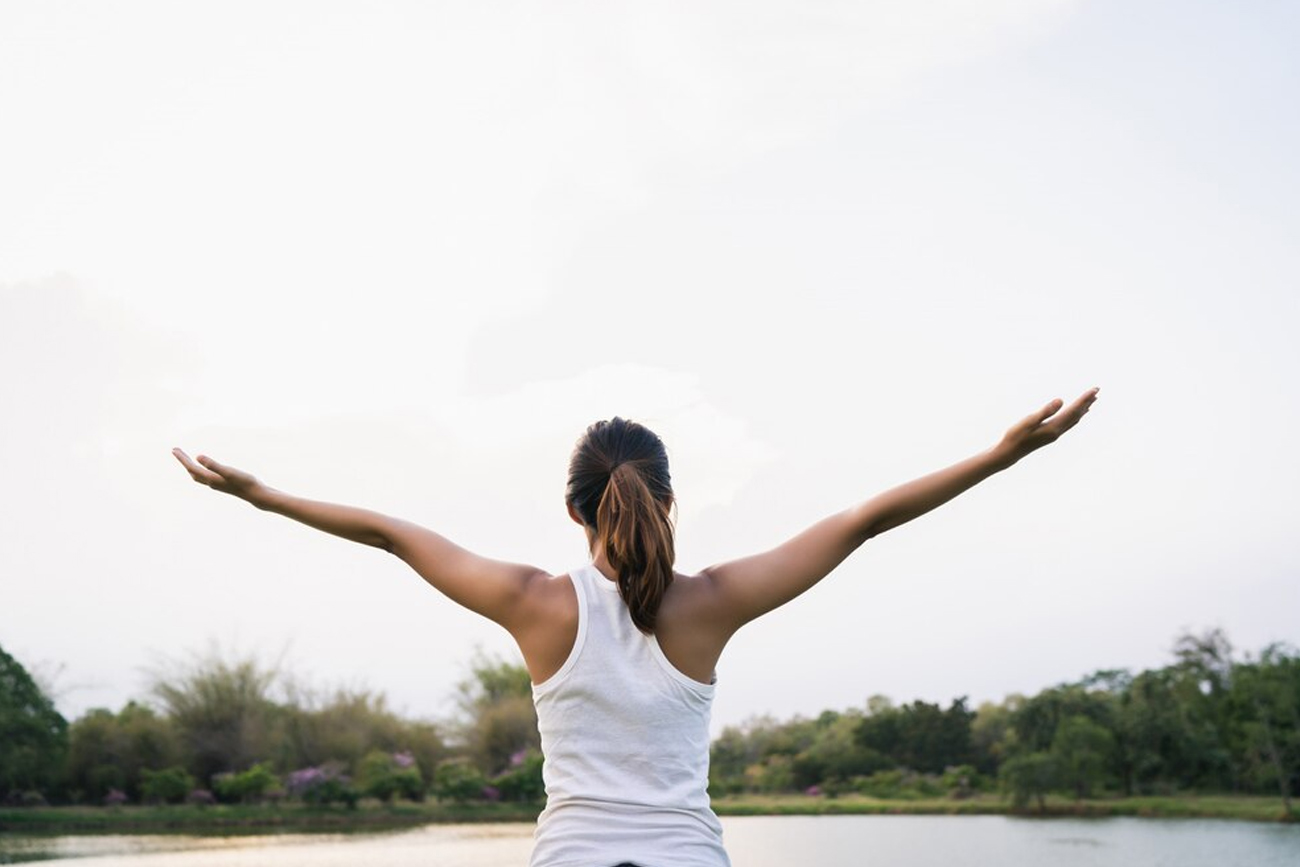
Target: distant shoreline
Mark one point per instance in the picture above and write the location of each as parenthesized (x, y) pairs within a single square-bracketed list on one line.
[(294, 818)]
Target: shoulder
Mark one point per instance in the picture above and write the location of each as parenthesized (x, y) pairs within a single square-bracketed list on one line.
[(690, 598), (548, 625), (544, 588)]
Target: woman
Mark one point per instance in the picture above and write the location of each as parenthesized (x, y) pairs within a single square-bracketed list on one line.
[(622, 651)]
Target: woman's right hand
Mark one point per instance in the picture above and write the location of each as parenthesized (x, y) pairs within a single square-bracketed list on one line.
[(220, 477), (1043, 427)]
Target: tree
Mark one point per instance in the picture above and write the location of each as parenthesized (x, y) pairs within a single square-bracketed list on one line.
[(112, 751), (498, 718), (168, 786), (992, 736), (1265, 699), (920, 736), (33, 735), (222, 711), (1081, 748), (1030, 775)]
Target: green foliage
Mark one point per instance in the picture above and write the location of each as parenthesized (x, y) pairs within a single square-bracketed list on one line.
[(385, 776), (497, 717), (345, 725), (458, 780), (221, 709), (1263, 700), (899, 784), (1035, 721), (112, 751), (169, 786), (246, 786), (33, 735), (1081, 748), (523, 781), (1030, 775), (920, 736), (992, 737)]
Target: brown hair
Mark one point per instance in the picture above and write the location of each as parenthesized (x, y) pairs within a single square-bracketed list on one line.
[(620, 487)]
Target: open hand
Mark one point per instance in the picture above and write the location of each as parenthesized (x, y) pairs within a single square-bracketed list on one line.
[(220, 477), (1045, 426)]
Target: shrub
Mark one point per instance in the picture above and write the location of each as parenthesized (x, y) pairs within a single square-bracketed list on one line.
[(458, 780), (522, 781), (201, 798), (1030, 775), (388, 775), (115, 798), (322, 785), (245, 786), (168, 786)]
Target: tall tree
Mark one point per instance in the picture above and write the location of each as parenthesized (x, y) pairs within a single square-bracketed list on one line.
[(33, 735), (222, 710)]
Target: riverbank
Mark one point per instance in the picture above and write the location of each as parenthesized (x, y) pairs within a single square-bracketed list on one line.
[(372, 816), (1256, 809)]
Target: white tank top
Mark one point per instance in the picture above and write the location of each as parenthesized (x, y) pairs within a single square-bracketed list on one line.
[(626, 741)]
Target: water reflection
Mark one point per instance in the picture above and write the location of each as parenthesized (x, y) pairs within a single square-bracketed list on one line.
[(754, 841)]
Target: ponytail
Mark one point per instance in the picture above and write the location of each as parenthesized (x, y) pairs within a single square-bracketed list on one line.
[(637, 531)]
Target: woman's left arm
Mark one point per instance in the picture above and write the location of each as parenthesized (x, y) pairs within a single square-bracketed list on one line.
[(495, 589)]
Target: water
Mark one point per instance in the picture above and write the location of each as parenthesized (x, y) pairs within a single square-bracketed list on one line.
[(753, 841)]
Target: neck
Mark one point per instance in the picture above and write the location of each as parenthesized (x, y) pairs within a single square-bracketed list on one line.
[(601, 562)]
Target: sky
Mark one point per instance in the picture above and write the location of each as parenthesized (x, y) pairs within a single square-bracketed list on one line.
[(401, 254)]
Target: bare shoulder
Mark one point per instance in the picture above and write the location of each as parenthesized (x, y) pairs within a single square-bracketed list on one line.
[(692, 599), (553, 595), (549, 623), (689, 628)]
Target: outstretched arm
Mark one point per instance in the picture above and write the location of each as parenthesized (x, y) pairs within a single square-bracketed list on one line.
[(744, 589), (489, 587)]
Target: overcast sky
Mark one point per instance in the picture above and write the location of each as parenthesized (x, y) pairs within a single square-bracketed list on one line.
[(401, 254)]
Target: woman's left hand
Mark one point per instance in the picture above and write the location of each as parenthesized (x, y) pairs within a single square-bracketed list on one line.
[(220, 477), (1045, 426)]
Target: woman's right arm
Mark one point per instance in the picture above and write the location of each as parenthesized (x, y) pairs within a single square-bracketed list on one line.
[(741, 590), (497, 590)]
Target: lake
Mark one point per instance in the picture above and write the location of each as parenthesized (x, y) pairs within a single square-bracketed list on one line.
[(753, 841)]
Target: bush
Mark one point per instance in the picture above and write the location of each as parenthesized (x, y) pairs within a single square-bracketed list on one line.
[(900, 784), (1030, 775), (201, 798), (323, 785), (458, 780), (523, 780), (962, 781), (245, 786), (168, 786), (388, 775)]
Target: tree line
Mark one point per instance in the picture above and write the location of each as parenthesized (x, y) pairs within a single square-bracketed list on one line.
[(1207, 722), (237, 731)]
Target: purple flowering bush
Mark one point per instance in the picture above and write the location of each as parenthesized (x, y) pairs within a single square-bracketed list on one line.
[(115, 798), (522, 780), (324, 784)]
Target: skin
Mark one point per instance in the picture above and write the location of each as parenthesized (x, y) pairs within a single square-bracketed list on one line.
[(699, 613)]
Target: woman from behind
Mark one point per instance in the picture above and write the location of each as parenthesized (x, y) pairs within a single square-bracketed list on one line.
[(622, 650)]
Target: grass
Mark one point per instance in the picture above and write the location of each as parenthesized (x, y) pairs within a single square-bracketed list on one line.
[(1252, 808), (253, 819), (374, 816)]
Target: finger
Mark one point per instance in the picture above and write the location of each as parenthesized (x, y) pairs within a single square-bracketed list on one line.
[(1076, 411), (225, 472), (200, 474), (1047, 411)]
